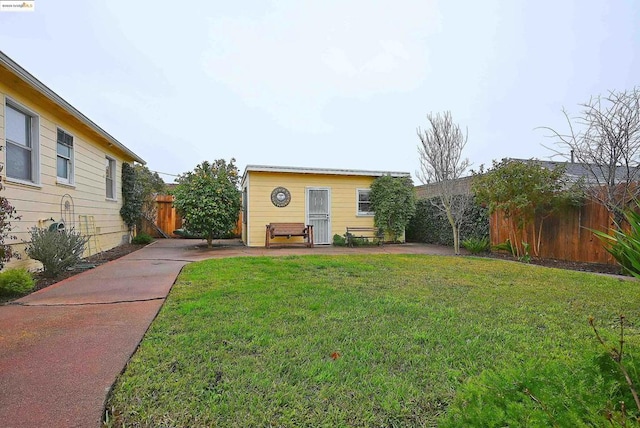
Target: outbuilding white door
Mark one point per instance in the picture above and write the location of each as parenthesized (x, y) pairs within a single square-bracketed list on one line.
[(319, 213)]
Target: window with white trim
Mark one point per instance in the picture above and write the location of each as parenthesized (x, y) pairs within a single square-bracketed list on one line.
[(64, 151), (364, 204), (21, 134), (110, 179)]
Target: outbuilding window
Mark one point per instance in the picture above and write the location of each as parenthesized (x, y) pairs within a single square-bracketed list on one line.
[(364, 204)]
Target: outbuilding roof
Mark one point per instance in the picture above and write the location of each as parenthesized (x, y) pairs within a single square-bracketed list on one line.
[(326, 171)]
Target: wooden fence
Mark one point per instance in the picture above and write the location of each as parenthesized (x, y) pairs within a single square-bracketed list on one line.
[(168, 220), (565, 235)]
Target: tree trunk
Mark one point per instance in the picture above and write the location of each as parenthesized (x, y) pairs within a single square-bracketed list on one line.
[(456, 248), (456, 233), (513, 237)]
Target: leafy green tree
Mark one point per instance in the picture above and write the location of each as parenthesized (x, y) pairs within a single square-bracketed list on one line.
[(394, 203), (139, 189), (527, 193), (131, 197), (208, 199), (152, 185)]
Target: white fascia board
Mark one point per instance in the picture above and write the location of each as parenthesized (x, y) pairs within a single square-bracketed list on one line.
[(325, 171)]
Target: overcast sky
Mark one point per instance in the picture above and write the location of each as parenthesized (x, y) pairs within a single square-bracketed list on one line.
[(331, 84)]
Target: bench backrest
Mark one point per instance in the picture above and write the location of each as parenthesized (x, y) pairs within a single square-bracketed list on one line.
[(287, 228)]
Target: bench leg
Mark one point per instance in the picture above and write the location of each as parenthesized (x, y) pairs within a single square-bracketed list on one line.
[(310, 237), (266, 238)]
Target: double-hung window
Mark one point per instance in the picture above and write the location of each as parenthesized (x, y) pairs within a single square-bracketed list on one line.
[(110, 175), (65, 157), (21, 134), (364, 204)]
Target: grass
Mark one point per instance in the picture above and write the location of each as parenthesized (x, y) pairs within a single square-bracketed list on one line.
[(370, 340)]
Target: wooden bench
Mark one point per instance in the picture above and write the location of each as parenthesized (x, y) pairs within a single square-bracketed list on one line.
[(288, 230), (364, 233)]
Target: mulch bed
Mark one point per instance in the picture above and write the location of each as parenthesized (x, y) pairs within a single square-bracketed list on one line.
[(563, 264)]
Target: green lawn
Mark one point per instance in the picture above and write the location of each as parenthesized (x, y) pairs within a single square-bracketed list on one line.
[(378, 340)]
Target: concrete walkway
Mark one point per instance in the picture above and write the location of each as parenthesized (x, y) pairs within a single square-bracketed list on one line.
[(61, 348)]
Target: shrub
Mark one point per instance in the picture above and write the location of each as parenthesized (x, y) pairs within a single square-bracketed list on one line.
[(7, 214), (623, 245), (505, 246), (56, 250), (476, 245), (15, 282), (339, 240), (142, 238), (360, 242)]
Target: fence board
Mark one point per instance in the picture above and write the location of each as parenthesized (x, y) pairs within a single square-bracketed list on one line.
[(565, 235)]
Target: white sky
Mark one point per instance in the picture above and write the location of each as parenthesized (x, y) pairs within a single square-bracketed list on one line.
[(333, 84)]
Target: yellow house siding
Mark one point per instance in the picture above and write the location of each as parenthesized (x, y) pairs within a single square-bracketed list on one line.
[(39, 202), (343, 202)]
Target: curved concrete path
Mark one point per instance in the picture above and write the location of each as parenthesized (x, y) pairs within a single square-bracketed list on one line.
[(61, 348)]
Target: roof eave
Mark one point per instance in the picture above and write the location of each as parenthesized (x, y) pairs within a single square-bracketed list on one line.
[(57, 99), (325, 171)]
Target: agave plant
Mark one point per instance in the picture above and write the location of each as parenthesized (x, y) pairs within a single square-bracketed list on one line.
[(624, 245)]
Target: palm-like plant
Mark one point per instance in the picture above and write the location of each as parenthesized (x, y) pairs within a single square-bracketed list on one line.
[(624, 245)]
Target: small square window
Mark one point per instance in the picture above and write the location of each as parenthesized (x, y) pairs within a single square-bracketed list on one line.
[(364, 204)]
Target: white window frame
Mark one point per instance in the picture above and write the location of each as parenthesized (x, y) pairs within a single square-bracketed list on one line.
[(358, 212), (70, 161), (35, 143), (113, 167)]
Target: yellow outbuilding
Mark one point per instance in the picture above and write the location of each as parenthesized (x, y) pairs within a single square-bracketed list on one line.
[(330, 200)]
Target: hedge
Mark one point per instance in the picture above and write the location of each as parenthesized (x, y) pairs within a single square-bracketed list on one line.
[(430, 226)]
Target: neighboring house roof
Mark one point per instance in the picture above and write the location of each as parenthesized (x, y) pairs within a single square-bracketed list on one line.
[(430, 190), (575, 170), (326, 171), (43, 90)]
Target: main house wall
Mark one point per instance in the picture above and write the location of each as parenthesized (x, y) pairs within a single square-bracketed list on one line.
[(262, 211), (37, 203)]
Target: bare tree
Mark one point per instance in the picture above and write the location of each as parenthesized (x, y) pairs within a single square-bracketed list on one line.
[(605, 140), (441, 164)]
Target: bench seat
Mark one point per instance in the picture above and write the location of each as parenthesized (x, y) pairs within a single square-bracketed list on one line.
[(288, 230)]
